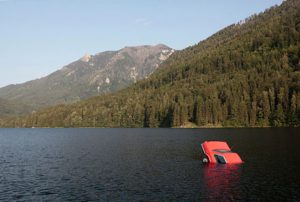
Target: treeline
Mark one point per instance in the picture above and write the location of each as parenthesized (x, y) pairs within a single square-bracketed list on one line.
[(245, 75)]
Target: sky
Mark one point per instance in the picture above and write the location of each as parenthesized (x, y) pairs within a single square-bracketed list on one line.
[(38, 37)]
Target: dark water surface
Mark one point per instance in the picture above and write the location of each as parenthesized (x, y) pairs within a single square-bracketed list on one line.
[(146, 165)]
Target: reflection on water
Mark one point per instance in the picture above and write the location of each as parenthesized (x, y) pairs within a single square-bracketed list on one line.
[(220, 182)]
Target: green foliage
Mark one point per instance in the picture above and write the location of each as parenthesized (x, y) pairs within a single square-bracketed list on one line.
[(246, 75)]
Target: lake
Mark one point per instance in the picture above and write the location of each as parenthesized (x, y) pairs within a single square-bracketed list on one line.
[(147, 165)]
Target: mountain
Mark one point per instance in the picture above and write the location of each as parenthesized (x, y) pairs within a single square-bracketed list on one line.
[(246, 75), (89, 76), (8, 108)]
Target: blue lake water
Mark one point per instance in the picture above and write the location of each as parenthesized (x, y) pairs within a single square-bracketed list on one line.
[(146, 165)]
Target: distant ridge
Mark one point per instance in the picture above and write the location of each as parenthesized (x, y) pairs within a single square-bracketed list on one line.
[(89, 76)]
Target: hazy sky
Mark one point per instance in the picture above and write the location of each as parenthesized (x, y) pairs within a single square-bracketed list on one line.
[(38, 37)]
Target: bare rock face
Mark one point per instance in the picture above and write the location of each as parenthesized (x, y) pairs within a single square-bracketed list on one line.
[(90, 75), (86, 58)]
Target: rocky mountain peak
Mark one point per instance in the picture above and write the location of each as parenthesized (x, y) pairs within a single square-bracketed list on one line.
[(86, 58), (91, 75)]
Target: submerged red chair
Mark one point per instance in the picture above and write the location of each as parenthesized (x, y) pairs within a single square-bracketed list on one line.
[(219, 152)]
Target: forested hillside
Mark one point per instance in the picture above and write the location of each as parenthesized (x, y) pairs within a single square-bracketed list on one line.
[(245, 75), (7, 108)]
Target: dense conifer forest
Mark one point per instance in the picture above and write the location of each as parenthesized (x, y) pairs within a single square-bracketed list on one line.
[(246, 75)]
